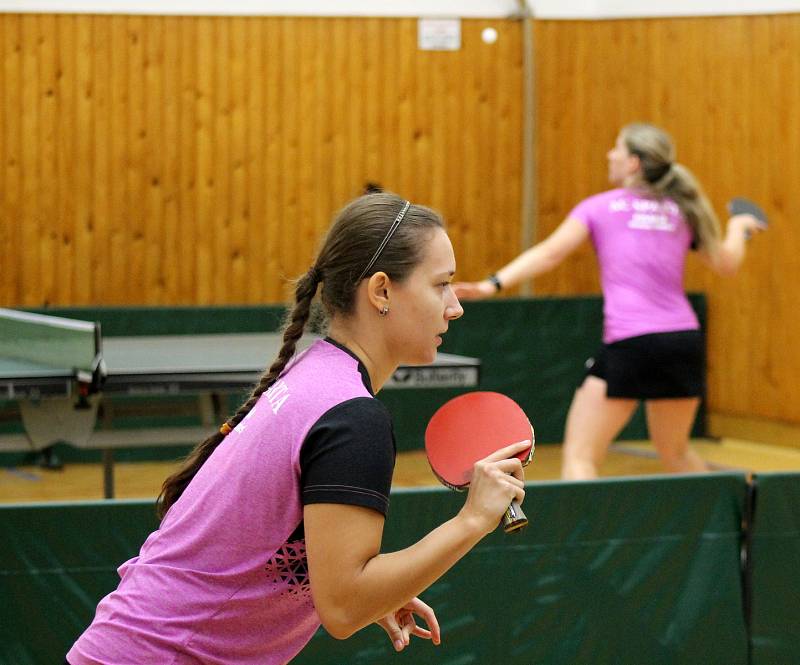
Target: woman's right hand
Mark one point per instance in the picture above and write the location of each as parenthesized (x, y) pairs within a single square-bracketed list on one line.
[(474, 290), (496, 480), (748, 224)]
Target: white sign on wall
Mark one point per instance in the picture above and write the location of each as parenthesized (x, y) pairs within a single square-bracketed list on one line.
[(439, 34)]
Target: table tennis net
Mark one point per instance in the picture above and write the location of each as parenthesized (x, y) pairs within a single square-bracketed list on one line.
[(50, 341)]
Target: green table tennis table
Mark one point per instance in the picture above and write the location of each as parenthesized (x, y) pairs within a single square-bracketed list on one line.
[(58, 371)]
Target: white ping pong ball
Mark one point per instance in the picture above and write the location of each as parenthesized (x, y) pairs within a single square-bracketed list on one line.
[(489, 35)]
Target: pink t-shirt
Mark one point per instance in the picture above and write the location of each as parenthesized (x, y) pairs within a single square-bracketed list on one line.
[(224, 579), (641, 245)]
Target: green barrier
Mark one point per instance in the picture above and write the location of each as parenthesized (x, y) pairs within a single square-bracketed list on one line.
[(56, 562), (774, 569), (619, 571), (127, 321), (637, 570), (532, 349)]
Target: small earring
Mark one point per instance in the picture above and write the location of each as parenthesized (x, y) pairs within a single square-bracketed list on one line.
[(383, 311)]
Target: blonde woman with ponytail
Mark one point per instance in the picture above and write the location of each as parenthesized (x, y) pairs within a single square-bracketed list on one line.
[(273, 525), (653, 349)]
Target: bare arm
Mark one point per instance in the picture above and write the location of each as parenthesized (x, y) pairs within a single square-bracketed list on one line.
[(540, 258), (726, 257), (353, 584)]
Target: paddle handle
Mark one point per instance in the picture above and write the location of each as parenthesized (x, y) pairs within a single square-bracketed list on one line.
[(514, 519)]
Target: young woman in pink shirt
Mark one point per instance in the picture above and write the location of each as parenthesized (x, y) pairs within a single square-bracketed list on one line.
[(273, 525), (652, 347)]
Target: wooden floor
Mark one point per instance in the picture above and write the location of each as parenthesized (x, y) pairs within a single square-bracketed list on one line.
[(143, 479)]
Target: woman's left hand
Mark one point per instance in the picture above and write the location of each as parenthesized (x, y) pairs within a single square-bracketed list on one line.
[(474, 290), (400, 624)]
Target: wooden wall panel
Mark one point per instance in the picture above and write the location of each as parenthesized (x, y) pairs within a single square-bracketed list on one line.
[(193, 160), (728, 90), (197, 160)]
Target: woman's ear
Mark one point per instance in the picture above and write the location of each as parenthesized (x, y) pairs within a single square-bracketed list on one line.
[(378, 290), (634, 164)]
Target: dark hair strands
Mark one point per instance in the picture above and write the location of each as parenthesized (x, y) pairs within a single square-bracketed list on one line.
[(175, 484), (352, 239)]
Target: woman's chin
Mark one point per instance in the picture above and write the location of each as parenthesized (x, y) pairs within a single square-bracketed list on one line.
[(422, 358)]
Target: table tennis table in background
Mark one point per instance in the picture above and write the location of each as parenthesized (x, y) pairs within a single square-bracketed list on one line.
[(58, 371)]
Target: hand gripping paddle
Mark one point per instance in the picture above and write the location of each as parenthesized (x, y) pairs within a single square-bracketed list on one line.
[(742, 206), (470, 427)]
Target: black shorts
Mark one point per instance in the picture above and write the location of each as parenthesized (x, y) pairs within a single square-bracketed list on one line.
[(655, 366)]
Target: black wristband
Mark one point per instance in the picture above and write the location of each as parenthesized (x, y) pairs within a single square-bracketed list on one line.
[(496, 281)]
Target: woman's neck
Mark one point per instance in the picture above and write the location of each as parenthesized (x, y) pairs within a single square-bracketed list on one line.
[(368, 350)]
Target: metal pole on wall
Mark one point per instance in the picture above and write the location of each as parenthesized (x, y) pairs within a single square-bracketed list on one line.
[(528, 216)]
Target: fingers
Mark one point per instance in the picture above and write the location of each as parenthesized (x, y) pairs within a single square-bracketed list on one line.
[(426, 613), (510, 470), (400, 625), (512, 467), (514, 486), (507, 472), (749, 223), (394, 631), (516, 482), (508, 452), (464, 290), (406, 630), (472, 290), (754, 223), (418, 631), (495, 481), (506, 459), (519, 495)]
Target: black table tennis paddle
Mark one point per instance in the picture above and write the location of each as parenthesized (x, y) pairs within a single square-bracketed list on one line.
[(743, 206)]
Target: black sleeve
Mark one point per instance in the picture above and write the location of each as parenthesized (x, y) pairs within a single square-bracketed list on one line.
[(348, 456)]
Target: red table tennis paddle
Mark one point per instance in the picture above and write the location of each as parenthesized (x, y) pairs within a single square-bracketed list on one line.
[(470, 427)]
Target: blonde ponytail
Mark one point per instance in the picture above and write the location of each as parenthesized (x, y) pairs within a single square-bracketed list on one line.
[(664, 177)]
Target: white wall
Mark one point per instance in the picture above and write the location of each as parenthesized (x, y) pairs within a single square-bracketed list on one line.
[(553, 9), (469, 8), (582, 9)]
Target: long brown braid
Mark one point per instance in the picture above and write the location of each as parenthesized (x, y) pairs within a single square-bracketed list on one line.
[(175, 484), (353, 237)]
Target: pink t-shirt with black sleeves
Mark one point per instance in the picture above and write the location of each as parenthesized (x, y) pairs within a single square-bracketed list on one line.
[(224, 579), (641, 245)]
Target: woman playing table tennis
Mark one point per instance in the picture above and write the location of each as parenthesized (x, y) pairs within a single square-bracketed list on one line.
[(652, 347), (274, 524)]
